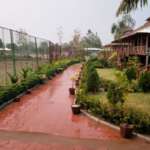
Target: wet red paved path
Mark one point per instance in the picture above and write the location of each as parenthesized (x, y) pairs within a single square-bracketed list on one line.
[(44, 121)]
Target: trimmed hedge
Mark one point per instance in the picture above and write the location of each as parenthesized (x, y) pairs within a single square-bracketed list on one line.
[(13, 90)]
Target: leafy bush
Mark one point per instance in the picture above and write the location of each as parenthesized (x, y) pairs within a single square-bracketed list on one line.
[(13, 78), (133, 62), (131, 73), (133, 86), (144, 81), (93, 81), (113, 111), (25, 72), (122, 80), (140, 119), (115, 94), (100, 63), (15, 89), (30, 79)]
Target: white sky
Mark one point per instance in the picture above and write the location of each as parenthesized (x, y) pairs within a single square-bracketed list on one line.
[(43, 17)]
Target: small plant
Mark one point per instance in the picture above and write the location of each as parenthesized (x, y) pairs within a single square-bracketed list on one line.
[(122, 80), (25, 72), (105, 63), (93, 81), (115, 94), (133, 61), (144, 81), (131, 73), (13, 78), (134, 87), (73, 78)]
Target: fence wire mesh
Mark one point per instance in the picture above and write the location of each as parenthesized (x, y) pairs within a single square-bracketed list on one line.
[(20, 50)]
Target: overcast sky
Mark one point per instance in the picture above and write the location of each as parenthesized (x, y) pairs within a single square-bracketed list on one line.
[(43, 17)]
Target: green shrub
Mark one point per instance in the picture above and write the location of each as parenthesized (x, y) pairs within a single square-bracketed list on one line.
[(133, 61), (93, 81), (131, 73), (104, 63), (122, 80), (144, 81), (115, 94), (133, 86), (113, 111), (139, 119), (30, 79), (13, 78), (25, 72), (105, 84)]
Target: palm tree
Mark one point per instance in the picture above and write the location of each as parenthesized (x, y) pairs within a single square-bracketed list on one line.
[(125, 24), (127, 6)]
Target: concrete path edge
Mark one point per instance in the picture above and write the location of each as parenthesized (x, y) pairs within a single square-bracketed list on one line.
[(146, 138)]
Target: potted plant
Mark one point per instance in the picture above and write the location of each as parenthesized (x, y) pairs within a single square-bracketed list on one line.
[(77, 80), (59, 70), (72, 89), (115, 95), (28, 91), (75, 109), (17, 99), (82, 66), (126, 130), (43, 79)]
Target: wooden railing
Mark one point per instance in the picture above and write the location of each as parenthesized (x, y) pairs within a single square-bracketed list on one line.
[(137, 50)]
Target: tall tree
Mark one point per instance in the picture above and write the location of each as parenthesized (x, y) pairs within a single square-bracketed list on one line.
[(126, 23), (127, 6), (91, 40), (75, 43)]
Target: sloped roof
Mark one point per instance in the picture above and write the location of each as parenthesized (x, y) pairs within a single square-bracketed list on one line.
[(93, 49), (143, 29), (116, 44)]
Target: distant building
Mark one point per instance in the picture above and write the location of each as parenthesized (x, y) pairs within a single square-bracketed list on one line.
[(92, 51), (134, 43)]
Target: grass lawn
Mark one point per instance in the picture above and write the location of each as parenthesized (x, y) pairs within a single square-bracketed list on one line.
[(107, 73), (139, 101)]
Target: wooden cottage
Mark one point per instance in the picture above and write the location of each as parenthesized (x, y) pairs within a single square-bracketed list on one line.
[(134, 43)]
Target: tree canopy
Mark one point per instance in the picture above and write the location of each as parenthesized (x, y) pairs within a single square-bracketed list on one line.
[(75, 42), (124, 25), (127, 6), (91, 40)]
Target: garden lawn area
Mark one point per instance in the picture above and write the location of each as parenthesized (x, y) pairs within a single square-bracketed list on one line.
[(107, 73), (138, 101), (141, 101)]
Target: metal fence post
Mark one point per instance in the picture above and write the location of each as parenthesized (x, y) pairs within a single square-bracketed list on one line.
[(50, 52), (13, 51), (36, 49)]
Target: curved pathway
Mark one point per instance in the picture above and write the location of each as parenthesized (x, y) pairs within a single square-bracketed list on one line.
[(43, 121)]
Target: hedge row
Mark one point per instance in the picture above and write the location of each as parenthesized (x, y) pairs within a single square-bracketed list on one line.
[(34, 78)]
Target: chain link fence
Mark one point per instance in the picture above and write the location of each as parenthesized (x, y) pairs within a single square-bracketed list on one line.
[(20, 50)]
